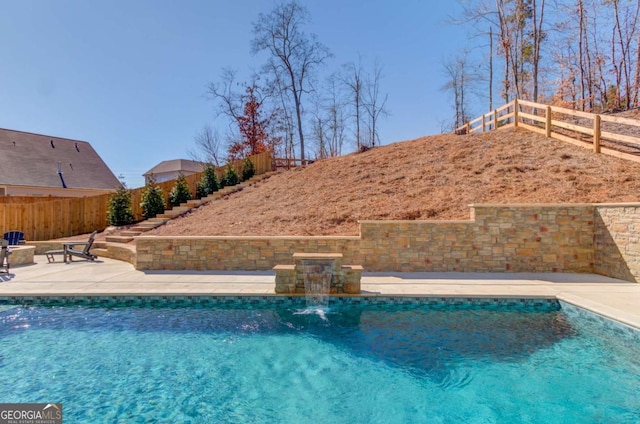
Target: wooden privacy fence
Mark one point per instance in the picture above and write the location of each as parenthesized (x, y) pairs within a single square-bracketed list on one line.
[(52, 219), (612, 135), (30, 199), (45, 218)]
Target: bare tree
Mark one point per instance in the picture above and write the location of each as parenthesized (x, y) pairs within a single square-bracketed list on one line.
[(335, 108), (374, 103), (319, 130), (352, 77), (208, 147), (224, 94), (284, 121), (520, 37), (459, 80), (490, 68), (597, 59), (536, 42), (294, 55), (330, 118)]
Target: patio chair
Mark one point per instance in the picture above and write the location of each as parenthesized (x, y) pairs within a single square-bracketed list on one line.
[(4, 256), (14, 237), (71, 249)]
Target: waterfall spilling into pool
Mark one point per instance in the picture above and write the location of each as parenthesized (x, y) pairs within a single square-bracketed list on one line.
[(317, 285)]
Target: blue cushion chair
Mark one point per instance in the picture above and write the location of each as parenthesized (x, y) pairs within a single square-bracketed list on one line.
[(14, 237)]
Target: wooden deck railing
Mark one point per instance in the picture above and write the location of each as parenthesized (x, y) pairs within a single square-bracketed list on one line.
[(612, 135)]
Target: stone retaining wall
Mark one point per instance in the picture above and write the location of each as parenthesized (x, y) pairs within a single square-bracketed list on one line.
[(617, 241), (497, 238), (235, 253)]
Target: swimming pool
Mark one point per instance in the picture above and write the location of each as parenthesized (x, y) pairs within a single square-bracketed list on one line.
[(275, 360)]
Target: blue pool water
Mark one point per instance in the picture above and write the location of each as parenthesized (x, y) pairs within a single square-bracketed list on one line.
[(353, 363)]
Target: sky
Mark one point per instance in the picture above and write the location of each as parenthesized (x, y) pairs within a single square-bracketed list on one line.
[(130, 76)]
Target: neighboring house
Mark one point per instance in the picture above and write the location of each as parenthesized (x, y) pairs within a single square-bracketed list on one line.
[(171, 169), (42, 165)]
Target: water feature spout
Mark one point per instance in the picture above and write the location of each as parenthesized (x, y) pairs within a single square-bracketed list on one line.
[(317, 281)]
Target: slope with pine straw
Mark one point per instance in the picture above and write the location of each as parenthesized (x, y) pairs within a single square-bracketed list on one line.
[(431, 178)]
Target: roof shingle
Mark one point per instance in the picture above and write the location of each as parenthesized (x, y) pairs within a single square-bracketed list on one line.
[(28, 159)]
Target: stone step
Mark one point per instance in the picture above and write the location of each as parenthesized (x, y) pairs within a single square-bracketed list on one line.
[(142, 229), (174, 212), (119, 239), (214, 196), (171, 214), (156, 219), (180, 209), (130, 233), (192, 203), (99, 251), (148, 224)]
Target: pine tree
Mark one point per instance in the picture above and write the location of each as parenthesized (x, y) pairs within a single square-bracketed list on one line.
[(180, 192), (248, 170), (119, 210), (152, 203), (231, 176)]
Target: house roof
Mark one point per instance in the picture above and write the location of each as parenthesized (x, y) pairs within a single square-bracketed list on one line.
[(28, 159), (175, 165)]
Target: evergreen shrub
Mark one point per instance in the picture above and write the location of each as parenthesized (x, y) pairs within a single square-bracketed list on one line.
[(152, 202), (180, 192), (248, 170), (119, 209), (230, 176)]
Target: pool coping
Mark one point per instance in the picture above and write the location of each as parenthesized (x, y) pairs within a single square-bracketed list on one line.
[(614, 299)]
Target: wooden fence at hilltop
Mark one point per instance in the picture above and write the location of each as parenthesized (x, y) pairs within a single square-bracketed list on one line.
[(611, 135), (46, 218)]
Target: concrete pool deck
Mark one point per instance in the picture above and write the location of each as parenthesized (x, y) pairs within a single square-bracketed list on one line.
[(615, 299)]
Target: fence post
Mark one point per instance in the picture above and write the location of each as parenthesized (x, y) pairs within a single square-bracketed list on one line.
[(596, 133), (483, 123), (548, 122), (467, 128), (495, 119), (515, 112)]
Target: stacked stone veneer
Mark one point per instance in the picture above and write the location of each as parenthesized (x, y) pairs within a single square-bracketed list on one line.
[(345, 279), (617, 241), (497, 238)]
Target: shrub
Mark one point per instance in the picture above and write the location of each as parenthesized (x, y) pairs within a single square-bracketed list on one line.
[(230, 176), (248, 170), (201, 190), (180, 192), (152, 203), (209, 180), (119, 209)]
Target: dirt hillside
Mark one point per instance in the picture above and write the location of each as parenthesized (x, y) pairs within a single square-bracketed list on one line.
[(434, 177)]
